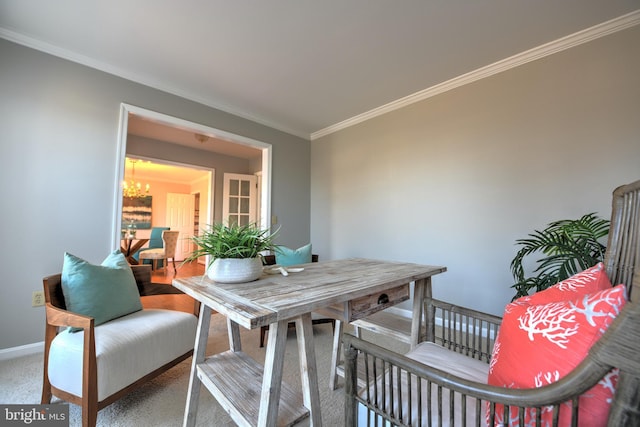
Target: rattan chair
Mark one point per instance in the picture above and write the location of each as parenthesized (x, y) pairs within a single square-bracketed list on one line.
[(456, 398)]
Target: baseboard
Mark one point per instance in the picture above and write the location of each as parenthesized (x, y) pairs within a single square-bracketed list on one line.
[(408, 314), (22, 350), (402, 312)]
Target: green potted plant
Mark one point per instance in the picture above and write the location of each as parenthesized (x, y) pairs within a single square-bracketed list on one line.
[(235, 251), (568, 246)]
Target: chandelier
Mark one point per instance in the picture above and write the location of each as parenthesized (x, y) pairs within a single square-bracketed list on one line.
[(132, 188)]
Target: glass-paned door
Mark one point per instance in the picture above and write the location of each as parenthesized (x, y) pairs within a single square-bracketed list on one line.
[(239, 199)]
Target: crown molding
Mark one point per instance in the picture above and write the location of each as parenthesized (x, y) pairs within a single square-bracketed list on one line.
[(584, 36), (143, 80)]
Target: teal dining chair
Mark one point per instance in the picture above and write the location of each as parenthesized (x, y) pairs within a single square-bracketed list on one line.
[(155, 241)]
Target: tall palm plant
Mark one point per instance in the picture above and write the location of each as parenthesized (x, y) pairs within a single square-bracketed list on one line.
[(568, 246)]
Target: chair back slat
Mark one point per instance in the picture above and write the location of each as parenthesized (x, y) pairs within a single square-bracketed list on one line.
[(623, 254), (53, 291)]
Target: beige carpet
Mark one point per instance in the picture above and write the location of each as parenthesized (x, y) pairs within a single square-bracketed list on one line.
[(161, 402)]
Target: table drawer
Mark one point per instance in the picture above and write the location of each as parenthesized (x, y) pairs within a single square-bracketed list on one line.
[(364, 306)]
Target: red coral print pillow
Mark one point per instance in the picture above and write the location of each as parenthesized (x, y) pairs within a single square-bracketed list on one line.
[(587, 282), (540, 343)]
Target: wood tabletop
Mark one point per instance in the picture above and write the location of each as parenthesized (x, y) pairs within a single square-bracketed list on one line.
[(275, 297)]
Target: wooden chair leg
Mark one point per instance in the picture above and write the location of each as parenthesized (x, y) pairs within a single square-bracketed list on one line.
[(335, 354), (89, 413), (264, 329), (89, 380), (196, 307), (50, 333), (46, 391), (263, 332)]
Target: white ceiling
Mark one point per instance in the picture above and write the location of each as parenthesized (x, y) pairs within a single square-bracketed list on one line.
[(303, 66), (144, 171), (162, 132)]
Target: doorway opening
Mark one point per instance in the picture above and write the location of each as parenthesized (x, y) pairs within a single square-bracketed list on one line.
[(229, 140), (175, 199)]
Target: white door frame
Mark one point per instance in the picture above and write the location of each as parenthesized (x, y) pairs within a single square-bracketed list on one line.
[(121, 151)]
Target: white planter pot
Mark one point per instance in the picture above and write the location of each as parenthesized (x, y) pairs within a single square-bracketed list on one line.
[(235, 270)]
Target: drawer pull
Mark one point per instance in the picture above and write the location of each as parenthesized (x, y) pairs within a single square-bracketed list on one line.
[(383, 299), (364, 306)]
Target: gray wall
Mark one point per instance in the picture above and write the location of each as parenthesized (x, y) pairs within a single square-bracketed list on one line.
[(455, 179), (452, 180), (58, 132)]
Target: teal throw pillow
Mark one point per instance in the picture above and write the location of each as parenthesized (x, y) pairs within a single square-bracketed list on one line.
[(104, 292), (286, 256)]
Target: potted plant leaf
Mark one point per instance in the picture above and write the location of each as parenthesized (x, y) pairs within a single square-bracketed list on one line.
[(568, 247), (235, 251)]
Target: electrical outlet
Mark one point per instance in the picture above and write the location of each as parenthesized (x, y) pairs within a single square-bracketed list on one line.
[(37, 298)]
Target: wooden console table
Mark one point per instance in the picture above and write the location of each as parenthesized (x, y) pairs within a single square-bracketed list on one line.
[(255, 395)]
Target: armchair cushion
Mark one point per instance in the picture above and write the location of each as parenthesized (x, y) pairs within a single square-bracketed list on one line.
[(127, 349), (538, 344), (286, 256), (104, 292), (401, 396)]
